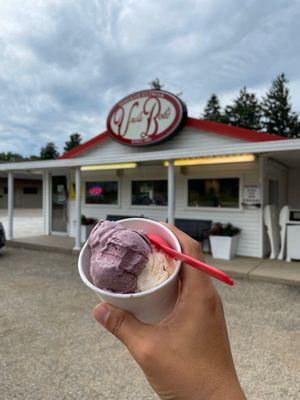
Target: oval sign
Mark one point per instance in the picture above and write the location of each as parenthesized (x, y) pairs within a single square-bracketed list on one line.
[(146, 118)]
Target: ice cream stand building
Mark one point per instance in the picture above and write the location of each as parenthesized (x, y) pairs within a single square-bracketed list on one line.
[(156, 161)]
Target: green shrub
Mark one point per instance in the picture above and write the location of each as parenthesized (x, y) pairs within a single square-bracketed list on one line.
[(228, 229)]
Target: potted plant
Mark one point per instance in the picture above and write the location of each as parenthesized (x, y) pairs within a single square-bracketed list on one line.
[(87, 224), (224, 240)]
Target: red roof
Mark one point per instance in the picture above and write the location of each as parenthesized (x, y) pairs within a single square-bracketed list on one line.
[(201, 124), (84, 146)]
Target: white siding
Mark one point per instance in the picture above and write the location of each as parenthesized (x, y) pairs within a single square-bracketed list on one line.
[(188, 138), (247, 219)]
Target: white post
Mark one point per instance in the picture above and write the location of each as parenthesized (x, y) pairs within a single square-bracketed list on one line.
[(261, 162), (171, 193), (46, 202), (10, 205), (78, 209)]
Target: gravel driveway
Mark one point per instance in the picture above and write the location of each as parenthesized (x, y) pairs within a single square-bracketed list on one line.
[(51, 348)]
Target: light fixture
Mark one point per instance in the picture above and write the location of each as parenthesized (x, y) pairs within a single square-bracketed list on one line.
[(239, 158), (108, 166)]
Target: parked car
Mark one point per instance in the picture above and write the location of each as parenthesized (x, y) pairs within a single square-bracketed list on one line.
[(2, 236)]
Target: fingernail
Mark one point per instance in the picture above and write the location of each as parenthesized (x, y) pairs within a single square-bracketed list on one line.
[(102, 314)]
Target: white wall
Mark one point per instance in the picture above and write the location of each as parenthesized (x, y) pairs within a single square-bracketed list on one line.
[(188, 138), (22, 200), (247, 219)]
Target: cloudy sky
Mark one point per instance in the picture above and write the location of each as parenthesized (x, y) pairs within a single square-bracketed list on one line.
[(65, 63)]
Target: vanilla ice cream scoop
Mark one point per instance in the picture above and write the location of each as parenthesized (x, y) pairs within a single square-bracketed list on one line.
[(157, 269)]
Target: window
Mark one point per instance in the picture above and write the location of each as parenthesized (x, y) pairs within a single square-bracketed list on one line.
[(213, 192), (5, 190), (101, 192), (30, 190), (147, 193)]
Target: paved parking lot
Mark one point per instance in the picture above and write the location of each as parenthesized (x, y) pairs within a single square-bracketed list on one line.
[(27, 222), (51, 348)]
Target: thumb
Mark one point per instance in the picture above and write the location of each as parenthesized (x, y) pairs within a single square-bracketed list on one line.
[(120, 323)]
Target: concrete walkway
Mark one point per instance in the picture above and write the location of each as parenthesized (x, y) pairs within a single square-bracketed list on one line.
[(58, 244), (27, 221), (260, 269)]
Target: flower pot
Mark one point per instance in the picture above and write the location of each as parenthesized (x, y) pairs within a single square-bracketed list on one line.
[(223, 247)]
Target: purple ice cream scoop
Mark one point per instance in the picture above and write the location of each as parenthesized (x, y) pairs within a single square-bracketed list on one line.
[(118, 256)]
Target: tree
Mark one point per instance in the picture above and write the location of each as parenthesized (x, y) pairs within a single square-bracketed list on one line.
[(49, 152), (245, 111), (33, 158), (10, 157), (278, 116), (212, 110), (74, 141), (15, 157), (155, 84)]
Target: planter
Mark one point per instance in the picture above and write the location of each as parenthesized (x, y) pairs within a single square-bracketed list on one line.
[(223, 247)]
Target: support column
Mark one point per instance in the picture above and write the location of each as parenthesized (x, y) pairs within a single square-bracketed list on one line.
[(171, 192), (46, 202), (10, 204), (261, 163), (78, 209)]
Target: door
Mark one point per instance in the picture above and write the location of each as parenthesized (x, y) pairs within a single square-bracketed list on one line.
[(274, 192), (59, 204)]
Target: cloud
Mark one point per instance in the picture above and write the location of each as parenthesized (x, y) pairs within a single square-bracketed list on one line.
[(65, 64)]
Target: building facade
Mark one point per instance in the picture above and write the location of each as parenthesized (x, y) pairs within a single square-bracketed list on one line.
[(28, 191), (205, 171)]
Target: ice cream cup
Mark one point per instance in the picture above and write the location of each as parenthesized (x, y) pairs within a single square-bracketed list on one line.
[(152, 305)]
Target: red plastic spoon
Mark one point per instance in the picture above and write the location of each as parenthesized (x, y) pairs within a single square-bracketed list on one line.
[(163, 245)]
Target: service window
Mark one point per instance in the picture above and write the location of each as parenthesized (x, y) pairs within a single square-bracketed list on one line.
[(223, 192), (149, 193), (30, 190), (101, 192)]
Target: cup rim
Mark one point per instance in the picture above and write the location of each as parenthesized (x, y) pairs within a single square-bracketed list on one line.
[(130, 295)]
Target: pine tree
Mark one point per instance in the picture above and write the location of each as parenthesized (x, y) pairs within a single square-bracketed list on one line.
[(278, 116), (212, 110), (49, 152), (74, 141), (245, 111)]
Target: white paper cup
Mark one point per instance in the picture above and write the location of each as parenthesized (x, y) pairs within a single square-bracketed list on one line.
[(152, 305)]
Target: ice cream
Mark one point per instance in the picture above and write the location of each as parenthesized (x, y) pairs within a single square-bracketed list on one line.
[(157, 269), (122, 259)]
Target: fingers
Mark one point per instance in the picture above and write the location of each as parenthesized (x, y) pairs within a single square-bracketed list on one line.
[(121, 324), (191, 277)]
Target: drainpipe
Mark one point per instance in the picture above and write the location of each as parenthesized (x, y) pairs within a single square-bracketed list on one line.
[(10, 204), (171, 193), (78, 209)]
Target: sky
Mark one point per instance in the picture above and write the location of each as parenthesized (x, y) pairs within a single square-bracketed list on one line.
[(64, 64)]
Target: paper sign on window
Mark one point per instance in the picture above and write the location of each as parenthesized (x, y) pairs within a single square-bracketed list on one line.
[(252, 195)]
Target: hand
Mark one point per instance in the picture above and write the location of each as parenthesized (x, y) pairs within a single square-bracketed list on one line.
[(186, 356)]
